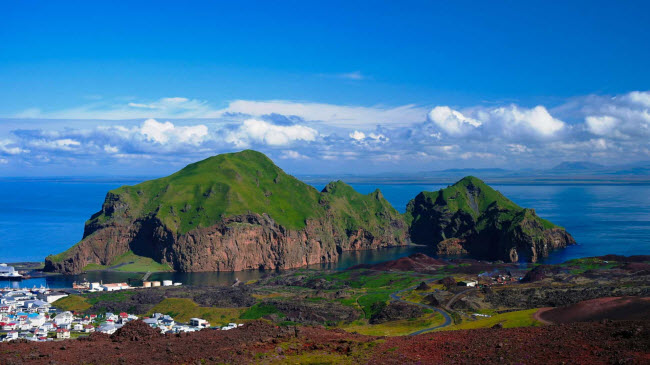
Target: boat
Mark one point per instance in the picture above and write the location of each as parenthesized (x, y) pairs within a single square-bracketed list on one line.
[(9, 273)]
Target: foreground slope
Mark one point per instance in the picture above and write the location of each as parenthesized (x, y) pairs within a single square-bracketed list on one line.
[(470, 217), (262, 343), (233, 212)]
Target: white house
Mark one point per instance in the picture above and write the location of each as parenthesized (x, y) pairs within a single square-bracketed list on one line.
[(37, 321), (63, 318), (62, 333), (107, 328), (78, 327), (198, 322), (53, 296), (471, 283), (13, 335), (10, 326)]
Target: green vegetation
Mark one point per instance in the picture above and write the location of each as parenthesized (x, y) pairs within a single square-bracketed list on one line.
[(579, 266), (396, 328), (204, 193), (73, 303), (130, 262), (260, 310), (522, 318), (182, 309)]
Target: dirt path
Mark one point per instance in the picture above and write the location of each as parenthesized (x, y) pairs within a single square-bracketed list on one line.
[(537, 315), (395, 296)]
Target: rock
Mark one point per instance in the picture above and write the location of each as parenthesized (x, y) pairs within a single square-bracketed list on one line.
[(470, 217), (423, 286), (135, 331), (395, 311)]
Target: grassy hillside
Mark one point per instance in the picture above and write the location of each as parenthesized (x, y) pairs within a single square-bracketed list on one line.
[(470, 195), (229, 184), (353, 209), (204, 193)]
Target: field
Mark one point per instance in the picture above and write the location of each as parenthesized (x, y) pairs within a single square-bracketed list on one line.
[(182, 310), (400, 327), (508, 320)]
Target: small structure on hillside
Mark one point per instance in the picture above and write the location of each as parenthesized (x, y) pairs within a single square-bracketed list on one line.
[(469, 283)]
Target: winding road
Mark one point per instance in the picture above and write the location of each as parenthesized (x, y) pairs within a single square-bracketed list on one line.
[(396, 297)]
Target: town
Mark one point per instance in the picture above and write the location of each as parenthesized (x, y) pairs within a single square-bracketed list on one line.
[(29, 314)]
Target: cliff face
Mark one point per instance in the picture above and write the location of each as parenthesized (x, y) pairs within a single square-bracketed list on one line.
[(471, 218), (229, 213)]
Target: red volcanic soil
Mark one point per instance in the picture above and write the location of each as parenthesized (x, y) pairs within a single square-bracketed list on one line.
[(259, 342), (412, 262), (614, 308), (578, 343)]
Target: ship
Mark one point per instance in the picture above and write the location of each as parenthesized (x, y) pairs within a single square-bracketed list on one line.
[(9, 273)]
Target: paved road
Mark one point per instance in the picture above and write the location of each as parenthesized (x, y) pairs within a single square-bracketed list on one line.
[(395, 296)]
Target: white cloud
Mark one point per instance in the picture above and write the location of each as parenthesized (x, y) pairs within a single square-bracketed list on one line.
[(511, 122), (293, 155), (359, 136), (333, 115), (65, 144), (111, 149), (3, 161), (9, 147), (536, 120), (164, 132), (621, 117), (603, 128), (259, 131), (601, 125), (452, 121)]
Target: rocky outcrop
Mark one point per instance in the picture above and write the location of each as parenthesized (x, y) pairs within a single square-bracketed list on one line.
[(471, 218), (237, 243)]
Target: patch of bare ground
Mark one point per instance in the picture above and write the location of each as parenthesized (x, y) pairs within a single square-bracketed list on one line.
[(613, 308)]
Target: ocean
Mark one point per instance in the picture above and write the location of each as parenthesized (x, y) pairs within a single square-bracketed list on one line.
[(39, 217)]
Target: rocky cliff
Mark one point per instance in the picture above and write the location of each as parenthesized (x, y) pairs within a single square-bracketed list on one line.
[(232, 212), (470, 217)]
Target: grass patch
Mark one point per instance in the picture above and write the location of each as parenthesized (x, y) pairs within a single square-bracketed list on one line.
[(260, 310), (396, 328), (135, 263), (509, 320), (182, 309), (72, 303)]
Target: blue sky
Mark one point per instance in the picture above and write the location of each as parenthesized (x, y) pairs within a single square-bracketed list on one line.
[(368, 86)]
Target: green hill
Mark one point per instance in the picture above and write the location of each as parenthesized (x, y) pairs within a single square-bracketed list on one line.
[(470, 217), (231, 212)]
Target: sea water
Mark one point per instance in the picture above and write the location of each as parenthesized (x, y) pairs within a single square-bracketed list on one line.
[(39, 217)]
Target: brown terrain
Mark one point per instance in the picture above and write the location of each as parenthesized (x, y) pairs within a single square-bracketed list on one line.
[(608, 342), (613, 308)]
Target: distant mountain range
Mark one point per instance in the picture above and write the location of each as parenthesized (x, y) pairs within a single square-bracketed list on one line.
[(567, 172)]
